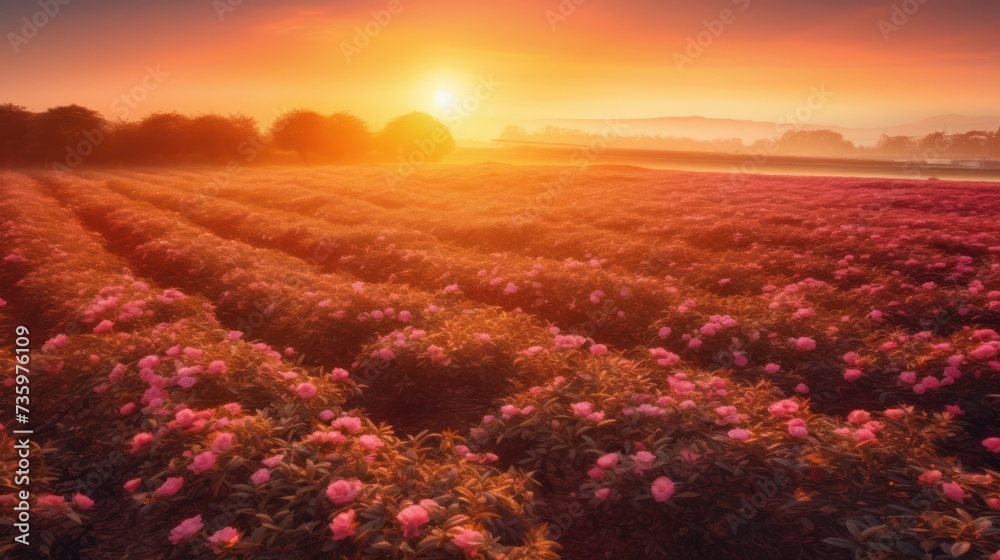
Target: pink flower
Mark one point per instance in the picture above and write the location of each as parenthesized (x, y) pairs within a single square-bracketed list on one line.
[(104, 326), (993, 444), (343, 525), (131, 485), (202, 462), (272, 461), (343, 491), (186, 529), (895, 413), (783, 408), (929, 478), (306, 390), (663, 357), (805, 343), (349, 424), (603, 493), (170, 487), (598, 349), (772, 368), (582, 409), (863, 435), (596, 473), (411, 519), (223, 443), (954, 409), (217, 367), (468, 541), (223, 539), (739, 434), (50, 501), (370, 442), (852, 375), (797, 428), (858, 417), (608, 461), (339, 374), (82, 502), (260, 476), (953, 492), (127, 409), (802, 389), (437, 356), (662, 489), (140, 441)]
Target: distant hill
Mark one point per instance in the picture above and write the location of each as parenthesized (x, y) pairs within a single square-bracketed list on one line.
[(705, 128)]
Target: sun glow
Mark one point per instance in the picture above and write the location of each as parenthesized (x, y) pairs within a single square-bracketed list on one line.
[(444, 98)]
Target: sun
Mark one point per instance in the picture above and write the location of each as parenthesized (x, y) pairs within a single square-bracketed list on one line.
[(444, 98)]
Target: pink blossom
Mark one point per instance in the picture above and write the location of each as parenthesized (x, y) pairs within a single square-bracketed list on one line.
[(217, 367), (342, 525), (929, 478), (603, 493), (223, 539), (202, 462), (802, 389), (805, 343), (272, 461), (223, 443), (104, 326), (662, 489), (797, 428), (341, 492), (127, 409), (186, 529), (772, 368), (783, 408), (437, 356), (992, 443), (131, 485), (598, 349), (370, 442), (411, 519), (260, 476), (50, 501), (349, 424), (608, 461), (596, 473), (140, 441), (82, 502), (953, 492), (739, 434), (863, 435), (895, 413), (306, 390), (858, 417), (468, 541), (170, 487), (852, 375), (582, 409), (339, 374)]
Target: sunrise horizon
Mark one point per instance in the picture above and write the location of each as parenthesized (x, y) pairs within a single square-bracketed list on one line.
[(520, 280)]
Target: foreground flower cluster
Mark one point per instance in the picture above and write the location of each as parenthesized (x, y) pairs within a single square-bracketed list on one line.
[(263, 366)]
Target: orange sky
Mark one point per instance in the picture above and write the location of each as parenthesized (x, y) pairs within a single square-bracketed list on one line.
[(607, 59)]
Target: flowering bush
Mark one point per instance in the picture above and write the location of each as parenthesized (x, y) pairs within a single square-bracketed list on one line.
[(326, 367)]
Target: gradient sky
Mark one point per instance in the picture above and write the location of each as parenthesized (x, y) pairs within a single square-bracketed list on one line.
[(610, 58)]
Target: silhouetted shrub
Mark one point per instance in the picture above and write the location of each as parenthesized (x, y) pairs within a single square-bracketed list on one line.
[(416, 133)]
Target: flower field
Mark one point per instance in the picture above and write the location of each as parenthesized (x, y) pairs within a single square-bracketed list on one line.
[(501, 362)]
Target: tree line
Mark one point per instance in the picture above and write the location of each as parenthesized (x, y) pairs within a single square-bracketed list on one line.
[(68, 136), (813, 143)]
